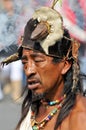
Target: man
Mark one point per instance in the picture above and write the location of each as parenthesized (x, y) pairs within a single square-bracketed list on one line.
[(54, 98)]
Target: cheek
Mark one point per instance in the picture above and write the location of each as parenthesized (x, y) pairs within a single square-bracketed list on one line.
[(49, 76)]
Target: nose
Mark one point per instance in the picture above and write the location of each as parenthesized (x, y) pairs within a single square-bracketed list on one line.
[(30, 68)]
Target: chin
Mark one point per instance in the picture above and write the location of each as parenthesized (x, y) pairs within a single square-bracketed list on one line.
[(37, 95)]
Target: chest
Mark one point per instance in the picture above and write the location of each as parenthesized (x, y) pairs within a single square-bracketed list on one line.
[(50, 125)]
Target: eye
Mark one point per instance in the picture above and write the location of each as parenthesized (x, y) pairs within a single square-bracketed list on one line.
[(38, 59), (24, 62)]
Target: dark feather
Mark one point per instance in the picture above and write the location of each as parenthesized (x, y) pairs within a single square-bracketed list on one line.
[(8, 50)]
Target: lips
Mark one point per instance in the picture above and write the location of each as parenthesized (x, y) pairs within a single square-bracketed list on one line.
[(33, 84)]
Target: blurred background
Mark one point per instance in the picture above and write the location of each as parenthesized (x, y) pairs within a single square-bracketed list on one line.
[(13, 16)]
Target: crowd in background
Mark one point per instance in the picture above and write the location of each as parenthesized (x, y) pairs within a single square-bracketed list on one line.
[(13, 17), (12, 21)]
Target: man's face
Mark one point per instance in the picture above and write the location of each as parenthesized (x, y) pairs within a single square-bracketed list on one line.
[(43, 76)]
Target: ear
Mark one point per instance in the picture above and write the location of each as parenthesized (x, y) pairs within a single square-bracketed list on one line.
[(66, 67)]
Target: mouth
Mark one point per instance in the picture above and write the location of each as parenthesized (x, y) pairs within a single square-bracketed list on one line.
[(33, 84)]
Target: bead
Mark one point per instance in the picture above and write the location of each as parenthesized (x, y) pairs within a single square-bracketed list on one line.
[(49, 117), (40, 125), (56, 102), (35, 127), (51, 114), (54, 111)]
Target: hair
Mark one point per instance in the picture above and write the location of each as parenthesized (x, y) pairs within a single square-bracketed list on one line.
[(62, 46)]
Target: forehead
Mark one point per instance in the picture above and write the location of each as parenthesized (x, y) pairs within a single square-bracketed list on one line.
[(28, 52)]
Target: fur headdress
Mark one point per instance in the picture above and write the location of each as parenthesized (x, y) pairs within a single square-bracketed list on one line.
[(42, 31)]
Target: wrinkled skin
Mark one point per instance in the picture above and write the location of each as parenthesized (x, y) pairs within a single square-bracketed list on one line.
[(44, 76)]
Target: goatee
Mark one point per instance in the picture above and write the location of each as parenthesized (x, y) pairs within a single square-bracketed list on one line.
[(36, 101), (37, 97)]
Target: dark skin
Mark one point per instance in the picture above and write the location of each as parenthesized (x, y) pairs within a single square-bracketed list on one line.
[(44, 76)]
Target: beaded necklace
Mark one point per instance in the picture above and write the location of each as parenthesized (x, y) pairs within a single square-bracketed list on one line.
[(52, 103), (40, 125)]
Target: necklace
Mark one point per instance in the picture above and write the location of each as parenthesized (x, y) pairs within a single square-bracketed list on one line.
[(52, 103), (40, 125)]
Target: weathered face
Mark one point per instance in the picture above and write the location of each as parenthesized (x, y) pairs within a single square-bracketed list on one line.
[(43, 76)]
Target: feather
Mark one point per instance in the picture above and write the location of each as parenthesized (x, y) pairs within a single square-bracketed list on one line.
[(8, 51), (10, 59)]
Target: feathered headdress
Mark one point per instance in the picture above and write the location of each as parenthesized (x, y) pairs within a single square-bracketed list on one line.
[(41, 30), (41, 33)]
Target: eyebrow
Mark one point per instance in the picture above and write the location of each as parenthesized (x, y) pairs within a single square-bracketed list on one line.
[(35, 54), (24, 57)]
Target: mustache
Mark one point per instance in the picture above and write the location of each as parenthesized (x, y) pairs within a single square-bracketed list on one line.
[(32, 77), (33, 80)]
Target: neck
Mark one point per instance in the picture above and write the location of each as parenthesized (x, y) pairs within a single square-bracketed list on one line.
[(44, 115), (55, 93)]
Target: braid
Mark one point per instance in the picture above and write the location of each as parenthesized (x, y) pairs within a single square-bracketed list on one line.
[(69, 100), (76, 71), (71, 85)]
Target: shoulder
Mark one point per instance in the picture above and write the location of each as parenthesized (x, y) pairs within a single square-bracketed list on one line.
[(77, 118), (80, 104)]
